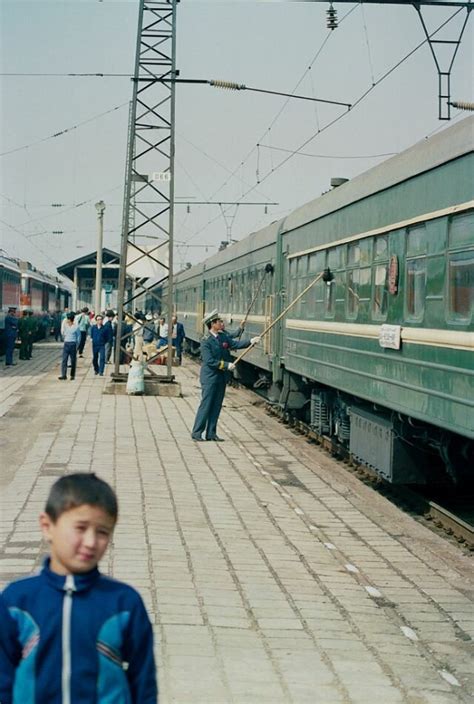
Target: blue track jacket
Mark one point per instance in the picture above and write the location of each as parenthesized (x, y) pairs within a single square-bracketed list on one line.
[(80, 639)]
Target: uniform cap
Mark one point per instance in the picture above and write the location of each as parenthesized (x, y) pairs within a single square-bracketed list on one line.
[(148, 316), (210, 317)]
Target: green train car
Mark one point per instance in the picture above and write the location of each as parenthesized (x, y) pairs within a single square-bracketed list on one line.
[(380, 357)]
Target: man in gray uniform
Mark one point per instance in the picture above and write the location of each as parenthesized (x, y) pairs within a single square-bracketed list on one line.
[(215, 373)]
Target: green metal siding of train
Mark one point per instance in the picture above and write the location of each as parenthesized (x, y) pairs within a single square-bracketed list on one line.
[(385, 350), (431, 376)]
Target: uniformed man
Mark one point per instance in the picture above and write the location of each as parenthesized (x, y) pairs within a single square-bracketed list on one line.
[(11, 333), (215, 373), (23, 334)]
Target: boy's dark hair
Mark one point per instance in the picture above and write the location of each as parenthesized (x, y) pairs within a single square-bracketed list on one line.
[(78, 489)]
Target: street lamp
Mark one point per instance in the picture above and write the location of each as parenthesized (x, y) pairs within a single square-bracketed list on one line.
[(100, 207)]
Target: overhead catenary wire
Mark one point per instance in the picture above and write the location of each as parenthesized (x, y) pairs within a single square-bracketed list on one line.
[(64, 131), (341, 116)]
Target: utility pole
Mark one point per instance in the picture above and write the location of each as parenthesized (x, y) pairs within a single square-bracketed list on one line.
[(149, 179), (100, 207)]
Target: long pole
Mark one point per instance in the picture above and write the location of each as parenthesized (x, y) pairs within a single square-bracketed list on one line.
[(283, 313), (100, 207)]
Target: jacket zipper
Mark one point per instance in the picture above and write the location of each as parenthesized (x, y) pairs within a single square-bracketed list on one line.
[(69, 587)]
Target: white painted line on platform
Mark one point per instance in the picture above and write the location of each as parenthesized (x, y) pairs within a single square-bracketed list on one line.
[(265, 474), (299, 512), (285, 496), (330, 546), (449, 678), (373, 592), (351, 568), (275, 483), (409, 632)]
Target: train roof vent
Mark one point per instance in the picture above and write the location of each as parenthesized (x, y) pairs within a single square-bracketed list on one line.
[(338, 181)]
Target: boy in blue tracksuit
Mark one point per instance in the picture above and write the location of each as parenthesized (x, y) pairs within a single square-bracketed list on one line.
[(73, 635)]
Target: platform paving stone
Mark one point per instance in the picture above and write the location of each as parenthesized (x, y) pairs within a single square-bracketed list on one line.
[(269, 572)]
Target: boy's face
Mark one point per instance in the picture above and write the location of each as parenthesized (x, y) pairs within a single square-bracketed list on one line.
[(78, 539)]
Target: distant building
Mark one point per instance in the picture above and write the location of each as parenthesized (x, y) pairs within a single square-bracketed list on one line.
[(82, 273)]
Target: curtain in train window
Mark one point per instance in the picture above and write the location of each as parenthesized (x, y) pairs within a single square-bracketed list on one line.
[(415, 288), (461, 284)]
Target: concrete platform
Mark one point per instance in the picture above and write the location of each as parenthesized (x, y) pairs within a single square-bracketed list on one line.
[(270, 573)]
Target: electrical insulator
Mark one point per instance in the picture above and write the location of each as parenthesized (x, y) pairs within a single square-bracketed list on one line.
[(462, 105), (331, 17), (188, 208)]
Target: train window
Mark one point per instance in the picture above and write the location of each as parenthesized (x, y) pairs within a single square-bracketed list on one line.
[(313, 263), (329, 297), (380, 292), (381, 247), (365, 247), (417, 240), (415, 288), (353, 254), (461, 229), (334, 258), (353, 278), (461, 285)]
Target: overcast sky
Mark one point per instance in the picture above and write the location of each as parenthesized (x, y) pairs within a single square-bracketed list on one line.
[(267, 45)]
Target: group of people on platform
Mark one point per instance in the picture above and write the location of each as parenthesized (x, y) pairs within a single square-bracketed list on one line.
[(141, 335), (27, 329)]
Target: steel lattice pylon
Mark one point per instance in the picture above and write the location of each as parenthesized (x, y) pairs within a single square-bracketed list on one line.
[(148, 208), (443, 66)]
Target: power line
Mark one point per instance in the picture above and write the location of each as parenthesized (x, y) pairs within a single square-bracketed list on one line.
[(339, 117), (329, 156), (64, 131)]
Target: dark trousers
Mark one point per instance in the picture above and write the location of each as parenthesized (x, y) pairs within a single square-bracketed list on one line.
[(9, 347), (108, 351), (23, 348), (179, 349), (98, 359), (82, 342), (212, 397), (69, 353)]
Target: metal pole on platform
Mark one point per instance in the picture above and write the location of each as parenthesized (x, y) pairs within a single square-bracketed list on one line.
[(100, 207), (169, 360)]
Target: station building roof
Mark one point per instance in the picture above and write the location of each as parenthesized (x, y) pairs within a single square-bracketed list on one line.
[(109, 257)]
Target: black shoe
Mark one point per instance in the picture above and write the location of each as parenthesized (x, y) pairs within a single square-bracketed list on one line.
[(81, 355), (72, 378), (197, 438), (62, 378), (216, 438)]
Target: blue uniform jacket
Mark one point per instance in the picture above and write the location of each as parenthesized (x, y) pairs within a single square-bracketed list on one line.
[(100, 336), (11, 326), (180, 334), (83, 639), (215, 355)]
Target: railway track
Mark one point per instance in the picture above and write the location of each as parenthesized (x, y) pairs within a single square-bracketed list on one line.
[(436, 516)]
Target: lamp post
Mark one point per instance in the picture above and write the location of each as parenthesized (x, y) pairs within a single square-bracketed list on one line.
[(100, 207)]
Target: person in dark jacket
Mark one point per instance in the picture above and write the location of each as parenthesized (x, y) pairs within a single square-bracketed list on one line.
[(11, 333), (110, 323), (101, 335), (214, 375), (77, 636), (23, 334), (178, 336)]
